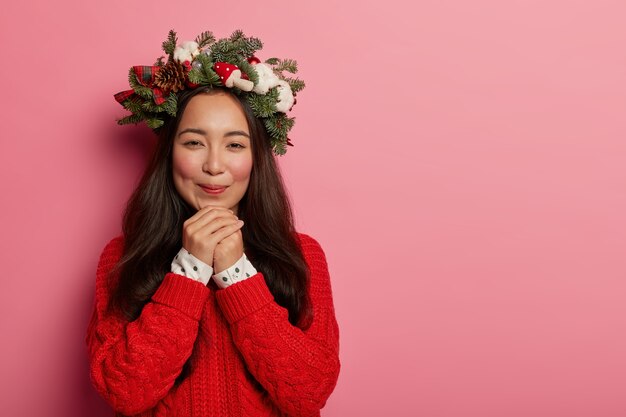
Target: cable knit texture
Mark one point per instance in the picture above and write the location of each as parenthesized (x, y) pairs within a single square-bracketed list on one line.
[(246, 358)]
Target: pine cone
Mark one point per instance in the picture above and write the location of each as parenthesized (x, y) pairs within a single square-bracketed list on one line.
[(170, 77)]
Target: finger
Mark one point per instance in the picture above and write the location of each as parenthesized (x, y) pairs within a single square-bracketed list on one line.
[(212, 206), (207, 209), (208, 218), (203, 211), (225, 231), (206, 239), (198, 214), (209, 228)]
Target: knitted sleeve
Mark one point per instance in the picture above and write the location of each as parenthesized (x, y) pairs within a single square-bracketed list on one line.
[(134, 364), (298, 369)]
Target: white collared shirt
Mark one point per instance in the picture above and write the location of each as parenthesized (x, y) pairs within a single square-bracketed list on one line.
[(186, 264)]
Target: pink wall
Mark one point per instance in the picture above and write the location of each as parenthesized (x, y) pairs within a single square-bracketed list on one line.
[(462, 163)]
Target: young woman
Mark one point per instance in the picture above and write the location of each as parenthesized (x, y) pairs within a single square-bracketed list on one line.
[(209, 303)]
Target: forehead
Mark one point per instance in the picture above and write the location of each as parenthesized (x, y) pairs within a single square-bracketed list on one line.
[(214, 112)]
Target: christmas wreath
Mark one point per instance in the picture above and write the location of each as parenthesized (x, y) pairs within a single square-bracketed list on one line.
[(207, 62)]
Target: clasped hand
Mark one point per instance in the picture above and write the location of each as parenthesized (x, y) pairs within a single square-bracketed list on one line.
[(213, 235)]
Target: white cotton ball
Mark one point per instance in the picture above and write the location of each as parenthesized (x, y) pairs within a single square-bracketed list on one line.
[(267, 79), (181, 54), (191, 46), (186, 51), (285, 97)]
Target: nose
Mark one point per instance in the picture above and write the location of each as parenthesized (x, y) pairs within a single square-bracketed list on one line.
[(213, 163)]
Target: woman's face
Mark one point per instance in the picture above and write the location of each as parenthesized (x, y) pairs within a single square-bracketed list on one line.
[(212, 149)]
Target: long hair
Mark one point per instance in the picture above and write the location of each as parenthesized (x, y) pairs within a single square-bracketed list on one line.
[(155, 213)]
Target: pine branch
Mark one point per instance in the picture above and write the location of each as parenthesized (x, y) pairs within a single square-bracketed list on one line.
[(234, 48), (134, 105), (151, 106), (168, 106), (210, 77), (236, 36), (248, 69), (296, 84), (141, 90), (222, 51), (170, 44), (197, 76), (287, 122), (279, 125), (154, 123), (288, 65), (132, 119), (263, 105), (252, 45), (171, 105), (280, 149), (204, 39)]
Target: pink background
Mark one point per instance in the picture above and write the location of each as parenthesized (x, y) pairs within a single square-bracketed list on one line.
[(463, 164)]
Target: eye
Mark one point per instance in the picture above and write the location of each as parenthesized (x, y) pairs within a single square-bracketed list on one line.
[(193, 143), (237, 145)]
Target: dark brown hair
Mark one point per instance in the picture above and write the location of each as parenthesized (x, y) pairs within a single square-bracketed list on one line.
[(154, 216)]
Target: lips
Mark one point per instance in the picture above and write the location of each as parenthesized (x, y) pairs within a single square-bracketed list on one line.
[(213, 189)]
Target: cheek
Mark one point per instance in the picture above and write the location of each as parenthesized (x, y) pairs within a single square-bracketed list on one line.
[(184, 166), (241, 168)]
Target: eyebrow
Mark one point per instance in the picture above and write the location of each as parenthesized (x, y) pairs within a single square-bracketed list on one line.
[(204, 133)]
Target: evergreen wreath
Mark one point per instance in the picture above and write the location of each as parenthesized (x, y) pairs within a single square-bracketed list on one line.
[(207, 62)]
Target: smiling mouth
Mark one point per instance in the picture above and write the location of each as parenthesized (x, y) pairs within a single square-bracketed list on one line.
[(213, 189)]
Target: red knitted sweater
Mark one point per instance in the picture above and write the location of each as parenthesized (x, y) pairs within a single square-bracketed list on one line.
[(246, 358)]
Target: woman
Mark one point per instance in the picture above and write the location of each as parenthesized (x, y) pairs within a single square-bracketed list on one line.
[(210, 303)]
